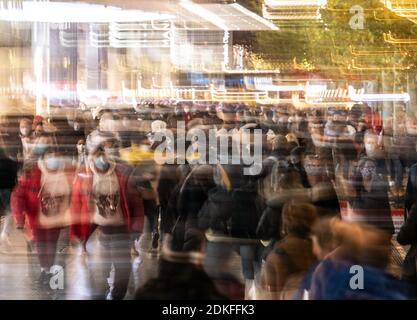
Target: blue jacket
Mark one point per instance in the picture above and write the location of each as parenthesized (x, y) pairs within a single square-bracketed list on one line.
[(331, 281)]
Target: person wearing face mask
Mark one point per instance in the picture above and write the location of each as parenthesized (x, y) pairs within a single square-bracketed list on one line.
[(368, 197), (43, 201), (115, 209), (26, 137), (322, 192), (229, 216), (40, 146), (378, 146), (106, 131)]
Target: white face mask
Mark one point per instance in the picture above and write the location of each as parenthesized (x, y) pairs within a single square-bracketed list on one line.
[(25, 131), (373, 151), (314, 169), (77, 126), (80, 148)]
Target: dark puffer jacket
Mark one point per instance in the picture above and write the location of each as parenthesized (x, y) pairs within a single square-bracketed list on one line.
[(8, 171), (235, 213)]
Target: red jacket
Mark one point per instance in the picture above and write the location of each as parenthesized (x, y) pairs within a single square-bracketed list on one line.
[(25, 202), (82, 206)]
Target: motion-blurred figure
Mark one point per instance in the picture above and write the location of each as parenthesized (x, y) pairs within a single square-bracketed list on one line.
[(116, 209), (180, 276), (43, 199), (358, 261), (292, 256), (408, 236), (368, 197)]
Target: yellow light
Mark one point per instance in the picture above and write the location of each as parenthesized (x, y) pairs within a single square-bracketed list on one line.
[(355, 66), (390, 39)]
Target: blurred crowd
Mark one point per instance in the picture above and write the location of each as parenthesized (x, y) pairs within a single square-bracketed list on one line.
[(315, 223)]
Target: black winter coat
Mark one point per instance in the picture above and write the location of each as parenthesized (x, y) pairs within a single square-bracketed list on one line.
[(408, 236), (234, 213)]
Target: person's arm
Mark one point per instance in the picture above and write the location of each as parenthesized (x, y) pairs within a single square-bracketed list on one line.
[(135, 204), (282, 196), (323, 192), (18, 200)]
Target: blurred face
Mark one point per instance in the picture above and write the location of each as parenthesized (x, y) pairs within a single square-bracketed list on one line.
[(126, 122), (81, 146), (39, 130), (329, 117), (339, 117), (291, 137), (282, 163), (111, 149), (25, 128), (371, 146), (77, 125), (313, 117), (229, 116), (295, 159), (361, 126), (313, 167), (101, 162), (107, 122), (52, 161)]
